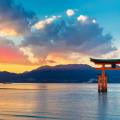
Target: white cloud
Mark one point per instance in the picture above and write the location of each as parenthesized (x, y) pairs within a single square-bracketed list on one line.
[(70, 12), (94, 21), (82, 18), (41, 24), (27, 51)]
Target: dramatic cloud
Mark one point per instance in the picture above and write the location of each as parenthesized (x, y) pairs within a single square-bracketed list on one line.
[(64, 39), (14, 20), (70, 12), (83, 35)]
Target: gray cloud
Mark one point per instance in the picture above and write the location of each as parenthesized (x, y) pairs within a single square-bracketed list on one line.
[(15, 16), (6, 42), (70, 35)]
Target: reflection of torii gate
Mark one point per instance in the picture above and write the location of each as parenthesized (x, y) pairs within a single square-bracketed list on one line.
[(102, 79)]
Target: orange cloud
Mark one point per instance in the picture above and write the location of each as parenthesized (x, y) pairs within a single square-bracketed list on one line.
[(8, 32), (58, 58), (8, 28), (68, 58)]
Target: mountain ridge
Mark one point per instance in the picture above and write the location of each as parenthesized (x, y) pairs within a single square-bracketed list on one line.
[(71, 73)]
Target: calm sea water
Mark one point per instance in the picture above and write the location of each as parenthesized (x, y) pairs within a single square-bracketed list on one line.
[(58, 102)]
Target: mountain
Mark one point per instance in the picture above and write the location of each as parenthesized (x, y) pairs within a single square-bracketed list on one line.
[(72, 73), (6, 76), (61, 74)]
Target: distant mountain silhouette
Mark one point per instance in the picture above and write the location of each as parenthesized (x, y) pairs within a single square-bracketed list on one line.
[(61, 74), (72, 73)]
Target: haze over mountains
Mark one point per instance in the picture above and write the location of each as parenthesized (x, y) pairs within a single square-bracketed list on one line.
[(72, 73)]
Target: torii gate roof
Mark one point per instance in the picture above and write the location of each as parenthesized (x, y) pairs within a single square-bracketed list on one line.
[(105, 61)]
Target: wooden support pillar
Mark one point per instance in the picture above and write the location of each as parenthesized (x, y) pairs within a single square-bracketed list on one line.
[(102, 81)]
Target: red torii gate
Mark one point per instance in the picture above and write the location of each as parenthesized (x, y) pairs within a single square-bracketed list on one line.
[(102, 79)]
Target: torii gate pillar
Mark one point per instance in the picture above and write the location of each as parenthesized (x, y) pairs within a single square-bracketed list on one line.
[(102, 81)]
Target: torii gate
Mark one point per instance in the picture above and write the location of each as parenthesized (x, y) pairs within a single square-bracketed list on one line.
[(102, 79)]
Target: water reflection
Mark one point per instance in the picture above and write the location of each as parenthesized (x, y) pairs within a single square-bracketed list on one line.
[(28, 101), (102, 106), (58, 101), (14, 103)]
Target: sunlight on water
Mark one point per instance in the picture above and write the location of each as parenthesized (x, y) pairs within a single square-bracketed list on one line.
[(58, 102)]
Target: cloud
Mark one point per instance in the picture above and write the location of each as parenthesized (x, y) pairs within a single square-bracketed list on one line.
[(27, 52), (70, 12), (58, 58), (5, 31), (82, 18), (113, 54), (94, 21), (64, 41), (82, 34), (52, 40), (9, 53), (43, 23), (14, 19)]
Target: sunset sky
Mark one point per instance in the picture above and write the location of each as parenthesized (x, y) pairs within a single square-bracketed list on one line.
[(34, 33)]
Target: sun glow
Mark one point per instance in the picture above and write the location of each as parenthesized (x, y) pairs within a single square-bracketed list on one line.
[(16, 68)]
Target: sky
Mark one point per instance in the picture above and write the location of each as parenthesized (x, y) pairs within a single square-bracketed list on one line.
[(35, 33)]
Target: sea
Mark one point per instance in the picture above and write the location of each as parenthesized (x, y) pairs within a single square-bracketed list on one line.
[(32, 101)]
